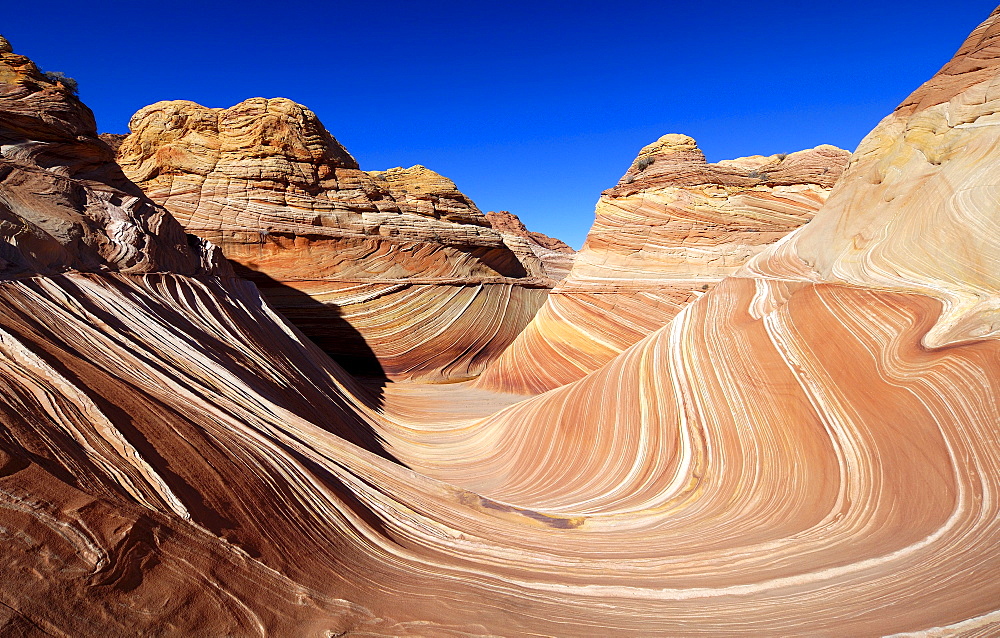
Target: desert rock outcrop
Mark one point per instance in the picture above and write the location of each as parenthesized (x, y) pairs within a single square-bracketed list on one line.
[(393, 272), (669, 231), (114, 140), (126, 348), (809, 448), (556, 256), (64, 204)]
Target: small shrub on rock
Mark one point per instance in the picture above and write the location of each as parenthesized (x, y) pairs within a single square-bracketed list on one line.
[(65, 80)]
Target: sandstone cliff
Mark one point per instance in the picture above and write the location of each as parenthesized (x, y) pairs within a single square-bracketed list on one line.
[(668, 232), (393, 271), (65, 205)]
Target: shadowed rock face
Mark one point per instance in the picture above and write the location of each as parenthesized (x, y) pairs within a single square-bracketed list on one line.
[(401, 255), (809, 448), (555, 255), (126, 348), (64, 203), (668, 232), (114, 140)]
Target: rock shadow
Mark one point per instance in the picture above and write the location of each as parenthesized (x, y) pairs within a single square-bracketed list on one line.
[(325, 326)]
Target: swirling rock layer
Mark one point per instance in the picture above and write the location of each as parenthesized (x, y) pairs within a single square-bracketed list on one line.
[(266, 182), (408, 329), (64, 204), (671, 229), (809, 448)]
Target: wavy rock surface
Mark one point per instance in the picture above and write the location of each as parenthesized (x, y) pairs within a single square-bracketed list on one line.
[(791, 455), (808, 448), (353, 258), (127, 351), (671, 229)]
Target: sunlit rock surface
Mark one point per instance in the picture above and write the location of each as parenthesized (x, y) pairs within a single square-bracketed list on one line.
[(392, 272), (65, 204), (671, 229), (130, 362), (556, 256), (810, 448)]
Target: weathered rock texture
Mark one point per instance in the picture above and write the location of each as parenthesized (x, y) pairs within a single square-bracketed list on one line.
[(128, 354), (421, 191), (556, 256), (394, 271), (807, 449), (64, 204), (114, 140), (671, 229)]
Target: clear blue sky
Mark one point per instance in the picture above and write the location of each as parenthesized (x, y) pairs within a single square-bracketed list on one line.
[(532, 107)]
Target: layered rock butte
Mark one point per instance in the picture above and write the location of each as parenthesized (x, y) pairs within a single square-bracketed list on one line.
[(672, 228), (392, 272), (809, 448)]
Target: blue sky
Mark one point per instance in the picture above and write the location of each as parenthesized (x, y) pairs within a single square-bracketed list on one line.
[(532, 107)]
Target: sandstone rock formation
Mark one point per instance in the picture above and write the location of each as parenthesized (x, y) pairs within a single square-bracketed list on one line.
[(65, 205), (114, 140), (807, 449), (556, 256), (421, 191), (671, 229), (126, 352), (394, 271)]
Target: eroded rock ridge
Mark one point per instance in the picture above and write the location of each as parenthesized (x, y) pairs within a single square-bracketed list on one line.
[(668, 232), (354, 258)]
